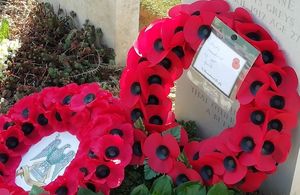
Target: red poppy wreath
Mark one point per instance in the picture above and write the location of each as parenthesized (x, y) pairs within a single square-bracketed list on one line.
[(102, 126), (241, 156)]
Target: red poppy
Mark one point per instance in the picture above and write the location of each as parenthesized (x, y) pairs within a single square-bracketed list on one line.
[(133, 59), (162, 152), (255, 81), (137, 111), (188, 58), (157, 95), (197, 29), (131, 88), (201, 7), (282, 122), (270, 54), (96, 187), (63, 185), (234, 170), (242, 15), (172, 31), (112, 148), (181, 174), (275, 149), (31, 131), (5, 123), (246, 138), (125, 131), (14, 141), (177, 10), (283, 79), (210, 167), (10, 160), (106, 173), (172, 64), (98, 126), (252, 181), (137, 152), (48, 96), (59, 117), (278, 102), (7, 189), (6, 175), (79, 121), (159, 117), (252, 32), (65, 94), (150, 43), (91, 95), (184, 139), (251, 114), (23, 108)]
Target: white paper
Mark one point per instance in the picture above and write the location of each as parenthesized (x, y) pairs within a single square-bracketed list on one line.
[(40, 160), (220, 64)]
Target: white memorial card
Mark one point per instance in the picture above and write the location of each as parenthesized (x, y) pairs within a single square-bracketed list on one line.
[(220, 64)]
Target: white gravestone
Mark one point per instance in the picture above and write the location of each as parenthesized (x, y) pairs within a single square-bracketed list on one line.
[(118, 19), (281, 18)]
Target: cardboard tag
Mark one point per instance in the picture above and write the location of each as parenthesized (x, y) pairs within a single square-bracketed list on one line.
[(222, 63)]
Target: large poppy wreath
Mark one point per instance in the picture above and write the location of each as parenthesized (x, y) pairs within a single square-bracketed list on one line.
[(241, 156)]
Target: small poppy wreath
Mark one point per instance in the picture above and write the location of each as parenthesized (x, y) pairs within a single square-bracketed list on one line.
[(242, 156), (92, 115)]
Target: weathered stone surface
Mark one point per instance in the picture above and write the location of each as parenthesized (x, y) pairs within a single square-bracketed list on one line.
[(118, 19)]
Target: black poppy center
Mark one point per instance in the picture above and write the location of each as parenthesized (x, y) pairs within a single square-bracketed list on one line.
[(166, 63), (7, 125), (136, 114), (206, 173), (89, 98), (136, 88), (91, 187), (42, 120), (12, 142), (267, 57), (277, 102), (154, 79), (153, 100), (84, 171), (137, 149), (196, 156), (268, 148), (276, 78), (118, 132), (178, 51), (25, 113), (258, 117), (247, 144), (67, 100), (204, 31), (196, 13), (58, 117), (254, 36), (275, 124), (229, 163), (156, 120), (158, 46), (178, 29), (162, 152), (62, 190), (27, 128), (102, 171), (3, 158), (92, 154), (112, 152), (180, 179), (255, 86)]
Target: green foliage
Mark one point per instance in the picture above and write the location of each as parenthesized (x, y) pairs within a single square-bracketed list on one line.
[(84, 191), (139, 124), (148, 172), (183, 158), (162, 186), (35, 190), (191, 129), (173, 131), (4, 30), (140, 190), (190, 188)]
